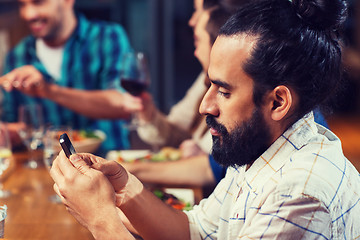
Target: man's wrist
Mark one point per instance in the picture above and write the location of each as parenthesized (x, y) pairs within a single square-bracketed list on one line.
[(111, 228), (52, 91), (132, 189)]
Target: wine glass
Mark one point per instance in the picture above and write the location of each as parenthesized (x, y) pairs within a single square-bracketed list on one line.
[(32, 130), (5, 158), (135, 77)]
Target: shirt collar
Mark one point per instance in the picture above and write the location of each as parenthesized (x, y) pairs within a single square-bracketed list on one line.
[(80, 33), (274, 158)]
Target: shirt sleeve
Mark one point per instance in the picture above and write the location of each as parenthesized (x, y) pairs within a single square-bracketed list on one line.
[(9, 106), (176, 127), (115, 45), (160, 131), (204, 218)]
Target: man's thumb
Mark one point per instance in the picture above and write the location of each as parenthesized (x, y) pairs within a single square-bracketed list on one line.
[(80, 163), (116, 173)]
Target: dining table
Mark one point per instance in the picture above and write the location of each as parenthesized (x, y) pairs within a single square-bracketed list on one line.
[(30, 213)]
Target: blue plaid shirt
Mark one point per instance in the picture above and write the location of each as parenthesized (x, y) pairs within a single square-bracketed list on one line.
[(301, 187), (91, 61)]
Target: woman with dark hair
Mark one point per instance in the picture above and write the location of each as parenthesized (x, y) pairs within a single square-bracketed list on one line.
[(196, 168)]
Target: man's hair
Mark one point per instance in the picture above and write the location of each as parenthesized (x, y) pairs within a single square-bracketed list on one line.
[(297, 45)]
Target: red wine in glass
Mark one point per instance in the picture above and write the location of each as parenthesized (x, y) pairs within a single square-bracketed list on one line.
[(135, 73), (133, 86), (135, 78)]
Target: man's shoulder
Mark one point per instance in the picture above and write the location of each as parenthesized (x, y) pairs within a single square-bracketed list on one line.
[(321, 172), (106, 27), (21, 54), (23, 46)]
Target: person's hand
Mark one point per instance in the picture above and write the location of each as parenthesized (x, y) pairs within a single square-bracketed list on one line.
[(26, 79), (132, 103), (189, 148), (124, 184), (88, 194), (148, 108)]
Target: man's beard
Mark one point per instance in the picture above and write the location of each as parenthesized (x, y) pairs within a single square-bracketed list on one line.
[(244, 144)]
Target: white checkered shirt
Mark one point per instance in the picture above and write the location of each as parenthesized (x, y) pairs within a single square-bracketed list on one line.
[(302, 187)]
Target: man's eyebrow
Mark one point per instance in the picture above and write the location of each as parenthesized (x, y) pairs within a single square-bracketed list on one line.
[(221, 84)]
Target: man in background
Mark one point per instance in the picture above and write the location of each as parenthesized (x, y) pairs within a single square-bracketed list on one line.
[(65, 66)]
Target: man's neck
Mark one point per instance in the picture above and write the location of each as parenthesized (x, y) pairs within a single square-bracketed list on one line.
[(65, 33)]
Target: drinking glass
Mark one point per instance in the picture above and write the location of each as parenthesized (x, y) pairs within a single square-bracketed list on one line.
[(52, 149), (5, 158), (135, 77), (32, 130)]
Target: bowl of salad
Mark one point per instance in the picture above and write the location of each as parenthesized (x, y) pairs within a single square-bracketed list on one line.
[(87, 141)]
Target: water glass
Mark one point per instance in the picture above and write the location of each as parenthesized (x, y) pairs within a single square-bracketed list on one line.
[(5, 159), (32, 130), (52, 149)]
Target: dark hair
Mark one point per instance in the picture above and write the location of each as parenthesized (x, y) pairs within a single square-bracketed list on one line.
[(233, 5), (218, 17), (210, 3), (297, 45)]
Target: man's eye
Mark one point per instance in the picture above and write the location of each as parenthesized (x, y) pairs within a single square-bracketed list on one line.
[(224, 94)]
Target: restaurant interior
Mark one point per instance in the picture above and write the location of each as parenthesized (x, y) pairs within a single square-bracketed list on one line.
[(159, 28)]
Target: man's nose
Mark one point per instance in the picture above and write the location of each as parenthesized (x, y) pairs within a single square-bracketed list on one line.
[(28, 12), (208, 104)]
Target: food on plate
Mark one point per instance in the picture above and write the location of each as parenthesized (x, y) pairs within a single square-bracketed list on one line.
[(79, 135), (172, 200), (83, 140), (84, 134), (165, 154), (129, 155)]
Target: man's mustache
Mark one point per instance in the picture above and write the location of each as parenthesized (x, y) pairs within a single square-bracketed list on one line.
[(212, 123)]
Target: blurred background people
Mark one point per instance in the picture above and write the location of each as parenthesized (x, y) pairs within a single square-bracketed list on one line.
[(197, 167), (65, 65), (184, 121)]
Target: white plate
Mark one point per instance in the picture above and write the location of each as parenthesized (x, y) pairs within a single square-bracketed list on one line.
[(127, 155), (88, 145), (184, 194)]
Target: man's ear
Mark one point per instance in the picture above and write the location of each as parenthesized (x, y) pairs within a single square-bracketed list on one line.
[(281, 100)]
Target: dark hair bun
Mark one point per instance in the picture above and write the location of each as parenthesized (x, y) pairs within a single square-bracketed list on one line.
[(322, 14)]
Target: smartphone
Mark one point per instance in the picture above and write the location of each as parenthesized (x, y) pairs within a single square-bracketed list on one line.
[(66, 145)]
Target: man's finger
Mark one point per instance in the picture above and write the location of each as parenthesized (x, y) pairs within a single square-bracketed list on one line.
[(56, 173), (65, 165), (116, 173), (57, 191), (81, 163)]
